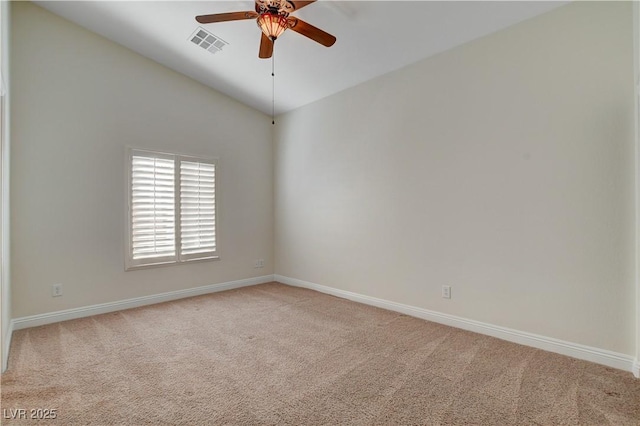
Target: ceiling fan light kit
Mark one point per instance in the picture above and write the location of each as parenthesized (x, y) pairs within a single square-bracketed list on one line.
[(272, 25)]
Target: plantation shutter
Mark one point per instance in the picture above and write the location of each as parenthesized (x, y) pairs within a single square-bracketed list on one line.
[(152, 209), (172, 209), (197, 209)]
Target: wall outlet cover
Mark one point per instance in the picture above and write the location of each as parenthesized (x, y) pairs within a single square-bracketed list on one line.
[(56, 290), (446, 292)]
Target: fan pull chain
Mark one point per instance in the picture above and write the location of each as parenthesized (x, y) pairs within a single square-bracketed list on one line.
[(273, 84)]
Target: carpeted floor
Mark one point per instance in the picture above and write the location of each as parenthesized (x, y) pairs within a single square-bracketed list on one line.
[(273, 354)]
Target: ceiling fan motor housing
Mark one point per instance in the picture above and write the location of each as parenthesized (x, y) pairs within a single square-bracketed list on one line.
[(277, 7)]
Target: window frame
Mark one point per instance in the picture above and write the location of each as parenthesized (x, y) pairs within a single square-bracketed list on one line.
[(178, 258)]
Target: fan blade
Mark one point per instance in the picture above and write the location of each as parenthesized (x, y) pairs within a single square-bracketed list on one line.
[(266, 47), (223, 17), (300, 4), (308, 30)]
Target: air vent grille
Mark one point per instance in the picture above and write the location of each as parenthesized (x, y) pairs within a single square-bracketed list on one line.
[(209, 42)]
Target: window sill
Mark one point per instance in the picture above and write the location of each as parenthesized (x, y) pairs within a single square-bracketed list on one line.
[(128, 268)]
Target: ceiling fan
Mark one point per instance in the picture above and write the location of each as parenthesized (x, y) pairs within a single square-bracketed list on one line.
[(273, 17)]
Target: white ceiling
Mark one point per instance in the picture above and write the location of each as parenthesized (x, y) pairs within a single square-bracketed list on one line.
[(374, 37)]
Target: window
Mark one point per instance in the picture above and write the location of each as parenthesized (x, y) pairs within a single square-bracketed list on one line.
[(171, 211)]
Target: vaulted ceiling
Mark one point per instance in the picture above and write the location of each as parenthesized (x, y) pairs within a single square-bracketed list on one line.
[(373, 38)]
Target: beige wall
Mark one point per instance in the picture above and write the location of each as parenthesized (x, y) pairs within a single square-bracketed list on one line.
[(79, 100), (504, 168)]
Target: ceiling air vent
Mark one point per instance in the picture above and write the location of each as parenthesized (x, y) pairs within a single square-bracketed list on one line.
[(207, 41)]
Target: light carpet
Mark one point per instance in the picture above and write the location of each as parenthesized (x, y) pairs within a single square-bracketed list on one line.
[(274, 354)]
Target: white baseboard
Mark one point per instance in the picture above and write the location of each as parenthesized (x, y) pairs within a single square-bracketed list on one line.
[(600, 356), (575, 350), (6, 344), (103, 308)]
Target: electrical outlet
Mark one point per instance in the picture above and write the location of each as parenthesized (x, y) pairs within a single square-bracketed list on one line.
[(446, 292), (258, 263), (56, 290)]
